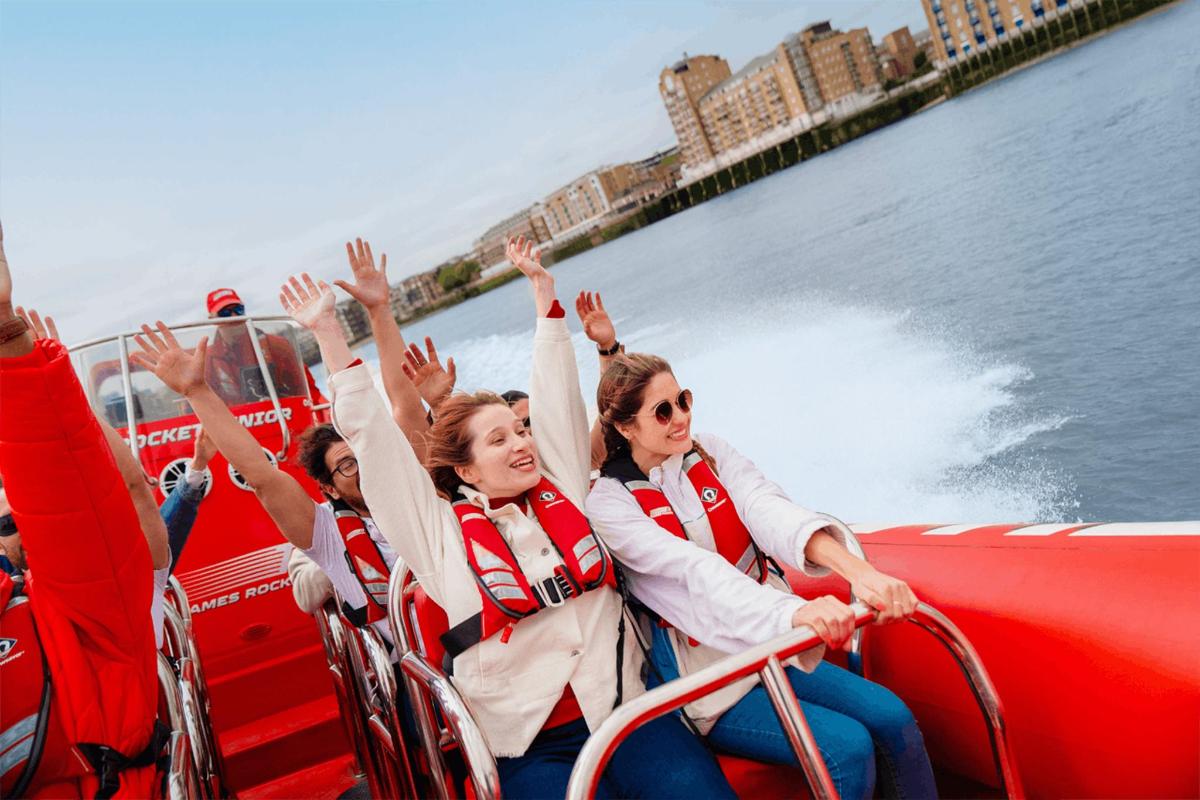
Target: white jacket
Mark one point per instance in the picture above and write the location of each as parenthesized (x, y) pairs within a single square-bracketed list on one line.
[(689, 585), (511, 687)]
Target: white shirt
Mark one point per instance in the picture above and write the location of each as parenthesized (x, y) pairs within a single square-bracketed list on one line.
[(689, 584), (328, 551), (512, 686), (157, 612)]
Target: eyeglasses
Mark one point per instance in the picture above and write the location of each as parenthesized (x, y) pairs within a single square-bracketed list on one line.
[(347, 467), (664, 411), (236, 310)]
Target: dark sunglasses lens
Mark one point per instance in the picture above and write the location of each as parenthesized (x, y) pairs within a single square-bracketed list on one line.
[(685, 400), (663, 412), (232, 311)]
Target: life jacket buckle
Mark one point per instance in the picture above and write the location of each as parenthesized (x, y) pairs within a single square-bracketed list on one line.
[(555, 590)]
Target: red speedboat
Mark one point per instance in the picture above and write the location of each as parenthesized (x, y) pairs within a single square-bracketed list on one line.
[(1079, 642)]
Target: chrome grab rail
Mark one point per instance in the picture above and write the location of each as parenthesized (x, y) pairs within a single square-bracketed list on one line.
[(182, 783), (122, 340), (333, 638), (481, 764), (854, 657), (180, 642), (765, 659), (378, 712), (428, 687), (127, 390), (269, 382)]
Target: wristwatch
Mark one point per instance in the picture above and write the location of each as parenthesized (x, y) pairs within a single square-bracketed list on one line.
[(612, 351), (11, 329)]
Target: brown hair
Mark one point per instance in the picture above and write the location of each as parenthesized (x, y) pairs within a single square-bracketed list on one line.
[(311, 454), (450, 441), (620, 395)]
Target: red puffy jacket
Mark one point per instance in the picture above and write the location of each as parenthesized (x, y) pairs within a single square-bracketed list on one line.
[(91, 580)]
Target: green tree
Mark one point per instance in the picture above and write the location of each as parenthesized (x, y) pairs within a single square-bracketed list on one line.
[(456, 275)]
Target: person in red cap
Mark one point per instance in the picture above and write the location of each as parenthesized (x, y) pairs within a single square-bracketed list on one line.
[(78, 679), (231, 367)]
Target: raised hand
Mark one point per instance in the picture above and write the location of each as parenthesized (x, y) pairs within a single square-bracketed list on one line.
[(525, 258), (426, 372), (161, 354), (41, 328), (309, 303), (204, 450), (597, 325), (370, 285)]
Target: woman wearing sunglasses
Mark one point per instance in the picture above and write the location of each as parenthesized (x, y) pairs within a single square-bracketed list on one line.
[(693, 523), (492, 526)]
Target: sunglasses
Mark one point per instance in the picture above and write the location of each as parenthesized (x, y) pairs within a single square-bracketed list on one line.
[(664, 411), (238, 310), (347, 467)]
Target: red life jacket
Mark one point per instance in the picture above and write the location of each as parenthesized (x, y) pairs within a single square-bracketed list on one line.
[(730, 534), (507, 594), (25, 693), (366, 563)]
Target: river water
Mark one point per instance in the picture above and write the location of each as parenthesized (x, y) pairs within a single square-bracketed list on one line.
[(987, 312)]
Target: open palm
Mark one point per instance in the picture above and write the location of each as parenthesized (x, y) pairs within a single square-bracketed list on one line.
[(308, 302), (161, 353), (370, 285), (597, 325)]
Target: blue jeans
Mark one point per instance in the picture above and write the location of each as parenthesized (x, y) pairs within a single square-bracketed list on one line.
[(861, 728), (179, 515), (660, 759)]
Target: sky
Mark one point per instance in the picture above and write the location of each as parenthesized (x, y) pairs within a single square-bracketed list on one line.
[(153, 151)]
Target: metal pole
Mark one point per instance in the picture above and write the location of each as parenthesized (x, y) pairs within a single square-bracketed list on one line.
[(127, 386), (795, 727), (269, 382)]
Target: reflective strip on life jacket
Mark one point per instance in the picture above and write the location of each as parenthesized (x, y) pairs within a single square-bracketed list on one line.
[(365, 560), (16, 743), (506, 593)]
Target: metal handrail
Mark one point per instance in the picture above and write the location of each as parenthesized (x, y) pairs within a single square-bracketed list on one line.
[(182, 782), (179, 636), (386, 719), (428, 687), (122, 340), (333, 637), (391, 781), (765, 659), (269, 382), (481, 764), (196, 705), (127, 390)]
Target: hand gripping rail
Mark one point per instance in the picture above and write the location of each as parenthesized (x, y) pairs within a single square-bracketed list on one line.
[(766, 659), (430, 692), (182, 782), (180, 643)]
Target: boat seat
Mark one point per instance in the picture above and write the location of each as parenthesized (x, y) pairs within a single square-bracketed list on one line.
[(750, 779)]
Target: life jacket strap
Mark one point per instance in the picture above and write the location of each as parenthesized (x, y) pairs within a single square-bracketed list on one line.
[(109, 763)]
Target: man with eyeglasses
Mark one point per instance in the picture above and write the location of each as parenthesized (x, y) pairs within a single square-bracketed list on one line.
[(339, 535), (232, 364)]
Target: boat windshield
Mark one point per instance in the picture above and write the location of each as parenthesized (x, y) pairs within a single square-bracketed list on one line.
[(232, 371)]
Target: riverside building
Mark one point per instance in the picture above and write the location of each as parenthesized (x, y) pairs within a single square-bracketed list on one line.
[(963, 27), (721, 117), (901, 49), (528, 222)]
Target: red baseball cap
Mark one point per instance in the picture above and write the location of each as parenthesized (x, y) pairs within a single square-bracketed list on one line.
[(219, 298)]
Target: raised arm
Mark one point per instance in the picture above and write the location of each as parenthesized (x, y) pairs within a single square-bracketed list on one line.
[(135, 479), (280, 494), (370, 288), (557, 414), (425, 370), (598, 327)]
